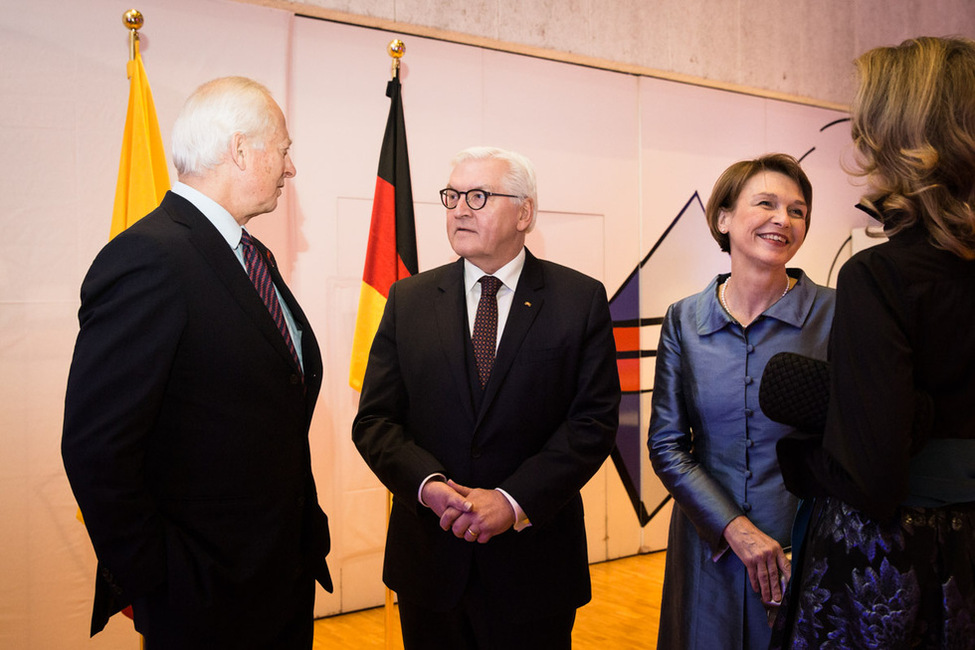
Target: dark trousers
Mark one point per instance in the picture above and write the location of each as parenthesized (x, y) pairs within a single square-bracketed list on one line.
[(476, 624), (285, 625)]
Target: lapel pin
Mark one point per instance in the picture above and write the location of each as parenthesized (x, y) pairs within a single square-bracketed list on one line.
[(527, 304)]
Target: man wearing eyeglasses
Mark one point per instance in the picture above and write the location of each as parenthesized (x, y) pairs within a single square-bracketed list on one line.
[(490, 398)]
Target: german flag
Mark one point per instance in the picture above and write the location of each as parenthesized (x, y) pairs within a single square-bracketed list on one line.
[(391, 251)]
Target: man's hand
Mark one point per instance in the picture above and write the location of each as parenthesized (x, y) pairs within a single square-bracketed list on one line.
[(445, 501), (490, 514), (768, 568)]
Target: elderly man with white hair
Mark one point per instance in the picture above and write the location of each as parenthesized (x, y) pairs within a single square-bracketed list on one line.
[(490, 398), (192, 387)]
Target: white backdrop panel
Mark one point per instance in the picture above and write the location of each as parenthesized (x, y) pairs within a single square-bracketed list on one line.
[(618, 157)]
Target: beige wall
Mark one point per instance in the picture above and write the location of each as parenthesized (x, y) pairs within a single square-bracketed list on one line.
[(65, 92), (800, 48)]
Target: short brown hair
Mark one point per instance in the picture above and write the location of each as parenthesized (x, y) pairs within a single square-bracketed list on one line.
[(727, 189), (914, 135)]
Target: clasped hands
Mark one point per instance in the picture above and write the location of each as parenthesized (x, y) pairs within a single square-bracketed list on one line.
[(472, 514)]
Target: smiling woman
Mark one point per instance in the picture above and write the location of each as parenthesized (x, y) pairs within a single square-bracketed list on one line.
[(710, 444), (759, 211)]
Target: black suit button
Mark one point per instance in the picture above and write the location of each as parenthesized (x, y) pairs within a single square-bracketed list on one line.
[(301, 501), (295, 380), (476, 452)]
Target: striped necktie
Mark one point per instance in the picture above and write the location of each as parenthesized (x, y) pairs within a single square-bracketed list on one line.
[(261, 277)]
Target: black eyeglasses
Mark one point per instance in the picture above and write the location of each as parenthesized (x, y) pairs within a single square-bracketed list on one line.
[(476, 199)]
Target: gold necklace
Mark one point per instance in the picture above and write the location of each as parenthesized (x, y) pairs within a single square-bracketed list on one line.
[(721, 290)]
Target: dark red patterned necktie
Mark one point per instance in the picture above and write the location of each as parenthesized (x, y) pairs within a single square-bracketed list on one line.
[(485, 336), (261, 277)]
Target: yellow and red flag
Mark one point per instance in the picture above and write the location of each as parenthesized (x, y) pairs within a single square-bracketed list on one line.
[(391, 251), (143, 176)]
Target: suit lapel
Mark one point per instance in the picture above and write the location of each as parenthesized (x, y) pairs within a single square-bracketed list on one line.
[(214, 249), (296, 313), (310, 352), (311, 355), (451, 319), (525, 306)]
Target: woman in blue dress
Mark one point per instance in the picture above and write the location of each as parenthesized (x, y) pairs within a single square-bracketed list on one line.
[(709, 442)]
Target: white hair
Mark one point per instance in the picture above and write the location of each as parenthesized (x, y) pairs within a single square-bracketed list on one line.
[(212, 115), (519, 180)]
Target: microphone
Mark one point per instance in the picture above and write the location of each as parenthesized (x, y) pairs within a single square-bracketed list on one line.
[(795, 391)]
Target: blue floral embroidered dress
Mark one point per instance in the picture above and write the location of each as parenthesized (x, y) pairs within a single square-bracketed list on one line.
[(889, 559)]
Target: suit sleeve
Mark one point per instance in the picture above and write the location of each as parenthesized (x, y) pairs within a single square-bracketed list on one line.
[(700, 497), (379, 430), (130, 318), (579, 444)]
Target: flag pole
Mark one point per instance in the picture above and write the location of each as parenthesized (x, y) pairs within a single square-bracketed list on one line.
[(391, 255), (134, 21), (396, 49)]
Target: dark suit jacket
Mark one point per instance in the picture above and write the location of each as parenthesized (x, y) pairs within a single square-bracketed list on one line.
[(547, 422), (186, 428)]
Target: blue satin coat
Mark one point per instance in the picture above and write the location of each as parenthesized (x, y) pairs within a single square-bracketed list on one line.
[(714, 450)]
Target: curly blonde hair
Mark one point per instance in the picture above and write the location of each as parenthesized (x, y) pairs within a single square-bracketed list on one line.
[(914, 137)]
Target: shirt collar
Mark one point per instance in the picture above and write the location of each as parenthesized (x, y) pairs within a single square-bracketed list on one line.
[(793, 308), (508, 274), (215, 213)]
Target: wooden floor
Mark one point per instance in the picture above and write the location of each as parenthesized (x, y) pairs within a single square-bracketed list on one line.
[(623, 614)]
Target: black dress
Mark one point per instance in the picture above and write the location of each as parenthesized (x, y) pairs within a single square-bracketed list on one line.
[(889, 557)]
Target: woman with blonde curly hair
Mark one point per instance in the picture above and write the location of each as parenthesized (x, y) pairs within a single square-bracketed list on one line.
[(889, 557)]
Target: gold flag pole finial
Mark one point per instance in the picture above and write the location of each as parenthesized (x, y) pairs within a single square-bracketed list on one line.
[(396, 49), (134, 21)]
